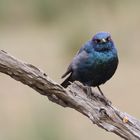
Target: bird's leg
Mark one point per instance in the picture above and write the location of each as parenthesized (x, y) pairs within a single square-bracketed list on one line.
[(100, 90), (105, 99), (89, 91)]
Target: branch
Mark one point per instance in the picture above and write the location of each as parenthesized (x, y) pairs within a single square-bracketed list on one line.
[(94, 106)]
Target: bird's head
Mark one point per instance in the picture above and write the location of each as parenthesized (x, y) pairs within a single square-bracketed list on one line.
[(102, 42)]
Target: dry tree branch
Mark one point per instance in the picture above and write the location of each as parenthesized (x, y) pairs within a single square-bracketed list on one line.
[(95, 106)]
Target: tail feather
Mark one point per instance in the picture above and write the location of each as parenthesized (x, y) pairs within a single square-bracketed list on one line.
[(66, 82)]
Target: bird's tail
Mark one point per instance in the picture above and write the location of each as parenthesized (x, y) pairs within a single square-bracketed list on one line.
[(66, 82)]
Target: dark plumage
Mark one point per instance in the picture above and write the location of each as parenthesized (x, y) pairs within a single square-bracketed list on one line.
[(95, 62)]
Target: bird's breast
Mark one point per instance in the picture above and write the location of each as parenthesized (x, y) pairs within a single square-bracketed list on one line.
[(97, 68)]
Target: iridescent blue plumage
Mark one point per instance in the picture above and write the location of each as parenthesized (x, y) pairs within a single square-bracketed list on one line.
[(95, 63)]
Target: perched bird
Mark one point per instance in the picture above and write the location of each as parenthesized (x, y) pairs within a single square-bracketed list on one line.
[(95, 62)]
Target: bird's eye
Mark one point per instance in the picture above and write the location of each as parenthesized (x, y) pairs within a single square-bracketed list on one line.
[(108, 38), (97, 40)]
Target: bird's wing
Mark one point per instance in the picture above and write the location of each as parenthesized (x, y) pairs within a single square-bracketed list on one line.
[(70, 69)]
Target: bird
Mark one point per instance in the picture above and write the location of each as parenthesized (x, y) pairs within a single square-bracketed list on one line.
[(95, 62)]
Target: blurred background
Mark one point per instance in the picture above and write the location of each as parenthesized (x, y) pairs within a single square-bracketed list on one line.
[(48, 33)]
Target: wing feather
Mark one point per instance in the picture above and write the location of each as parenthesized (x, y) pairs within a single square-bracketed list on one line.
[(69, 69)]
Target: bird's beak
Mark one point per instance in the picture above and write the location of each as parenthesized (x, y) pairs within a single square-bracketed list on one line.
[(103, 40)]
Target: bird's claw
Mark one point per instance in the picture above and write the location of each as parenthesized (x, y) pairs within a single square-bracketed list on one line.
[(100, 96)]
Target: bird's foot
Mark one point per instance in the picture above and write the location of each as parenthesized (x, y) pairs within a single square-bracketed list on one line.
[(107, 102), (100, 96)]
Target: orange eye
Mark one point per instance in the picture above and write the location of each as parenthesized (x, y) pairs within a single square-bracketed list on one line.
[(97, 40), (108, 38)]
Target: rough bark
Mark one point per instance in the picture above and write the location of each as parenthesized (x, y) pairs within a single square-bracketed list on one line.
[(95, 106)]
